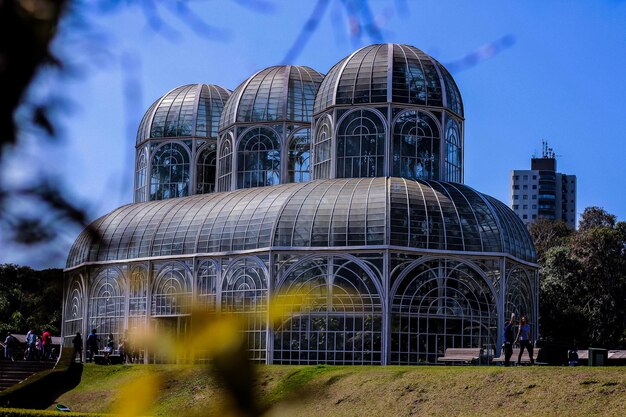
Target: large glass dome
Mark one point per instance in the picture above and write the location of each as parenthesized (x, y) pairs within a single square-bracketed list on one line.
[(348, 191), (280, 93), (422, 215), (191, 110), (385, 73)]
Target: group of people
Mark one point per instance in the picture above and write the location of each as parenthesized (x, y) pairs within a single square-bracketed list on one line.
[(37, 347), (124, 348), (523, 337)]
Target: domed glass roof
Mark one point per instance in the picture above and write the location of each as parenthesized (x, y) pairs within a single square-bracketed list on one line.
[(188, 110), (389, 73), (281, 93), (361, 212)]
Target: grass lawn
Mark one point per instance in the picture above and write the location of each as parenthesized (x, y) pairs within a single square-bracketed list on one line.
[(373, 391)]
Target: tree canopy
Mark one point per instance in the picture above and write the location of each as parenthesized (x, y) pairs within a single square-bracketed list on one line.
[(30, 300), (583, 280)]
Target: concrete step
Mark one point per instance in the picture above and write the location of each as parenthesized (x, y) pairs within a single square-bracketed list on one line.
[(12, 373)]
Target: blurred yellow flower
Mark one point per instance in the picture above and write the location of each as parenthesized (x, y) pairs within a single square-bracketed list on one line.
[(136, 397)]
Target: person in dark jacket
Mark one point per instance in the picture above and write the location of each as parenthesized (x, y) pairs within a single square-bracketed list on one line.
[(508, 340), (77, 342), (92, 345)]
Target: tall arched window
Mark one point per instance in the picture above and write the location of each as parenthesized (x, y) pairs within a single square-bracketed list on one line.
[(73, 315), (171, 295), (137, 295), (299, 169), (453, 152), (226, 166), (322, 151), (106, 305), (361, 146), (438, 305), (170, 172), (416, 146), (141, 178), (519, 298), (206, 286), (244, 294), (258, 162), (205, 170), (333, 315)]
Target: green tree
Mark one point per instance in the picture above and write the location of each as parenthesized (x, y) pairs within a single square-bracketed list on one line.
[(30, 299), (583, 282)]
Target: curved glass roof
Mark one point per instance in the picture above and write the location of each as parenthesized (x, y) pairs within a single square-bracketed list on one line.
[(365, 77), (188, 110), (327, 213), (280, 93)]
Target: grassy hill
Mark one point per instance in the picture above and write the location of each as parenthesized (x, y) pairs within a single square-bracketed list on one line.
[(373, 391)]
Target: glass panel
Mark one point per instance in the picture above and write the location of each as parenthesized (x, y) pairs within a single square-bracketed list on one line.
[(170, 172), (258, 159), (141, 178), (415, 146), (361, 146), (226, 166), (205, 170), (299, 167)]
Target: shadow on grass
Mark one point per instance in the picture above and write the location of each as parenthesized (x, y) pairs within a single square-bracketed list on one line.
[(42, 389)]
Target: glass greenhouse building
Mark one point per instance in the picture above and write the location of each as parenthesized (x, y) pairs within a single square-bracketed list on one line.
[(346, 188)]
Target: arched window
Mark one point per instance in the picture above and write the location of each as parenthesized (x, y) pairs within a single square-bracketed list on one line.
[(438, 305), (206, 285), (416, 146), (171, 295), (299, 156), (137, 295), (334, 315), (170, 172), (226, 166), (205, 170), (106, 305), (453, 152), (322, 151), (361, 146), (73, 315), (141, 178), (519, 297), (244, 294), (258, 162)]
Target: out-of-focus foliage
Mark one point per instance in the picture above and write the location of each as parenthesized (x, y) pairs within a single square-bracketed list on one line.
[(583, 281), (220, 339), (29, 299)]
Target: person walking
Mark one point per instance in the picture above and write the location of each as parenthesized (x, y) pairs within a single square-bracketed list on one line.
[(39, 348), (31, 340), (508, 338), (77, 342), (9, 345), (109, 346), (523, 335), (92, 345), (46, 341)]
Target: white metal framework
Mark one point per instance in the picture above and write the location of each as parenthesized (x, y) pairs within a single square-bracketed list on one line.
[(392, 258)]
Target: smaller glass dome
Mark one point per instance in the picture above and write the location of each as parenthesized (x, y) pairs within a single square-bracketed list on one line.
[(385, 73), (279, 93), (191, 110)]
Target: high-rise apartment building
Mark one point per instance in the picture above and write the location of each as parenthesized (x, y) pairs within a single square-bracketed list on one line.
[(543, 193)]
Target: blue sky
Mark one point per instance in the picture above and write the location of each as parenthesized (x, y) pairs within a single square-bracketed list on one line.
[(563, 80)]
